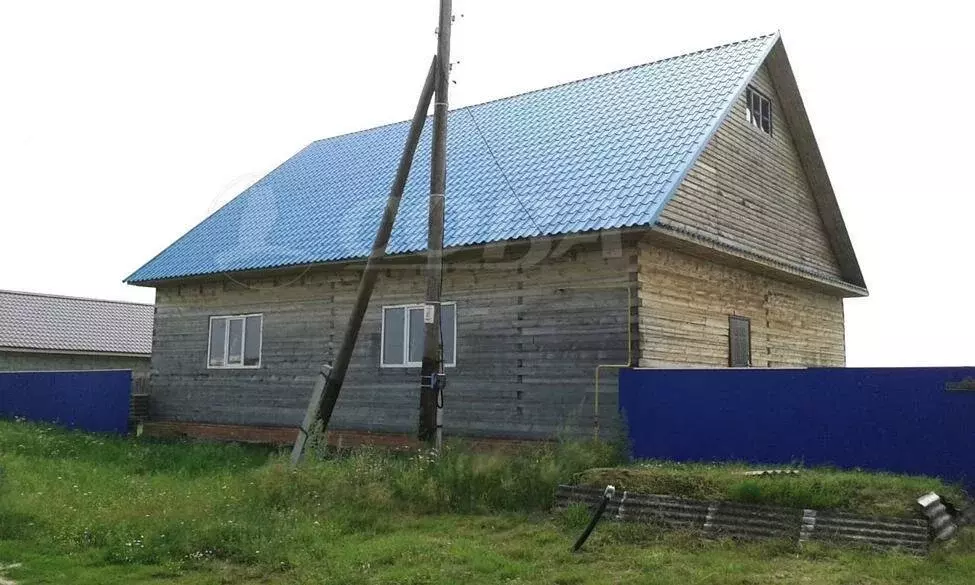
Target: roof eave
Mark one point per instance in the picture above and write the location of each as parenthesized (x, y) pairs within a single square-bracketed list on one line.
[(63, 351), (702, 245), (553, 239), (811, 158)]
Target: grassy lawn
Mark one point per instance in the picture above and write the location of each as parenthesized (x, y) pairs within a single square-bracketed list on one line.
[(78, 508)]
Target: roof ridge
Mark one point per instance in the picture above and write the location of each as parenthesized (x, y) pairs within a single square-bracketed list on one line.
[(73, 298), (620, 70), (564, 83)]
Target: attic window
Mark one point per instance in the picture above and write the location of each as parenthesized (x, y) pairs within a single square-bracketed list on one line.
[(758, 110)]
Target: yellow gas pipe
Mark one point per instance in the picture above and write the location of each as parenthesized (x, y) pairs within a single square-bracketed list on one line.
[(629, 360)]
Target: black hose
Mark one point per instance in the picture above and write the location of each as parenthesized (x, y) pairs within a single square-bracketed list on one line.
[(607, 496)]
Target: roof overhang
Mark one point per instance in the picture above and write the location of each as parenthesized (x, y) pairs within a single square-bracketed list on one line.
[(611, 242), (727, 253), (795, 114), (497, 255), (4, 349)]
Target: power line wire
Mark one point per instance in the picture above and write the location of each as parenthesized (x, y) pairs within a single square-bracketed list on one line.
[(504, 176)]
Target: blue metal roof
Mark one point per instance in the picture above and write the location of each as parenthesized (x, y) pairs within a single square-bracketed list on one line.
[(599, 153)]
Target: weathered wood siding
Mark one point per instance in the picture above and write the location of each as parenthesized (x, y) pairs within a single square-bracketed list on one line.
[(528, 340), (748, 191), (685, 303)]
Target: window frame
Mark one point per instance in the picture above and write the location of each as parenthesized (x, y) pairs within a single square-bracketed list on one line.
[(406, 336), (756, 122), (243, 342), (732, 319)]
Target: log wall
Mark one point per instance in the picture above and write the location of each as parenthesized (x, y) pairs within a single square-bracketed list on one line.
[(685, 302), (529, 336)]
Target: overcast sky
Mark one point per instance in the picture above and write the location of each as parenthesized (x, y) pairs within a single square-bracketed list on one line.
[(123, 124)]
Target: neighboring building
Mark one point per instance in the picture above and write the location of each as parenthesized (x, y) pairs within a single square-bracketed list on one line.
[(48, 332), (672, 214)]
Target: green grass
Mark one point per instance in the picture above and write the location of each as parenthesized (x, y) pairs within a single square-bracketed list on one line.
[(880, 494), (78, 508)]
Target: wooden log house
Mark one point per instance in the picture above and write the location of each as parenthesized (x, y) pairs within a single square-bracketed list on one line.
[(673, 214)]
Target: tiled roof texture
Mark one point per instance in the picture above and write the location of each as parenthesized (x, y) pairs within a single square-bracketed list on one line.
[(56, 323), (600, 153)]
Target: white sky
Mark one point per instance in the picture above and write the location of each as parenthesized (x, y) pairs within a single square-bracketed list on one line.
[(123, 124)]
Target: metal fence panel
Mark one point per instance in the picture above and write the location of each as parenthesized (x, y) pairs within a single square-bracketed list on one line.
[(903, 420), (91, 400)]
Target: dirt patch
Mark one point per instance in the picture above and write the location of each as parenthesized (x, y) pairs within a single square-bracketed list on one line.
[(4, 569)]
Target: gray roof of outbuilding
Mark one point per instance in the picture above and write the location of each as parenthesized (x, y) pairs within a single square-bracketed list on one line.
[(32, 321)]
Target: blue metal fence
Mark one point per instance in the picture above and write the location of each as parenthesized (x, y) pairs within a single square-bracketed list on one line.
[(905, 420), (96, 400)]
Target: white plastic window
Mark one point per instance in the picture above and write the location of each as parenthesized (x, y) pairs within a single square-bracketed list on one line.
[(235, 341), (758, 110), (402, 335)]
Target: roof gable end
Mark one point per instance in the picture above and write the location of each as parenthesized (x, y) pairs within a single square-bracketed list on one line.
[(812, 161), (789, 104)]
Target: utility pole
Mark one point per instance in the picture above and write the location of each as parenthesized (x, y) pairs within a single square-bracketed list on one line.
[(330, 378), (431, 369)]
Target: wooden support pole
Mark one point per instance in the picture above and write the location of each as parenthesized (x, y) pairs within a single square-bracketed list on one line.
[(330, 378), (432, 363)]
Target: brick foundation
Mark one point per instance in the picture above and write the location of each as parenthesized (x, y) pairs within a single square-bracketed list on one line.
[(219, 432), (287, 435)]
